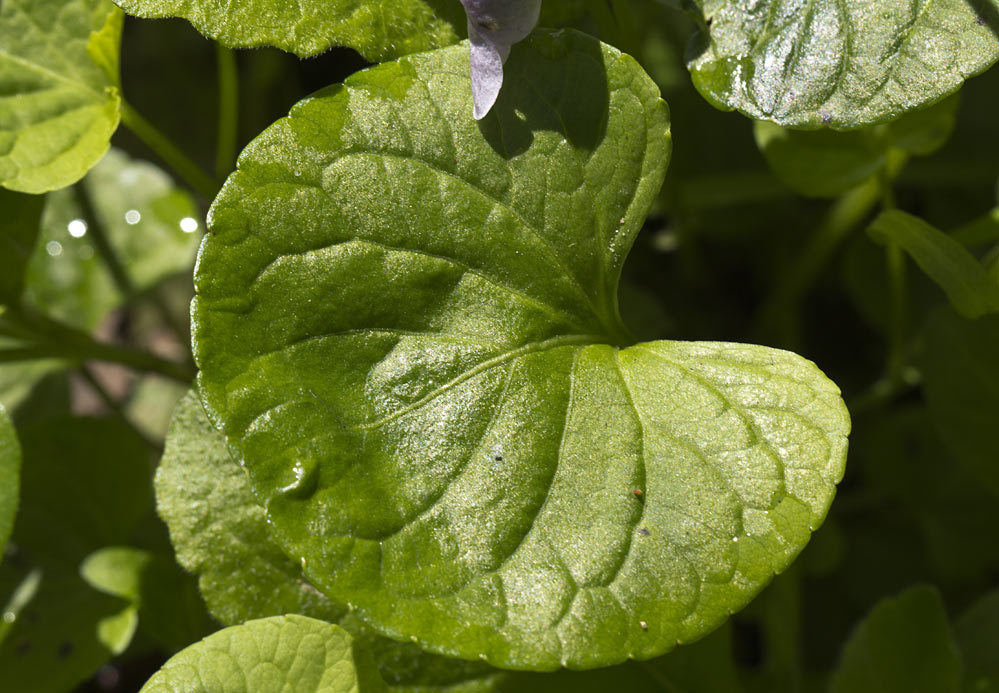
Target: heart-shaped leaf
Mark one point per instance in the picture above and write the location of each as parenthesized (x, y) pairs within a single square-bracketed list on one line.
[(408, 329), (10, 477), (59, 101), (377, 29), (839, 64), (281, 653)]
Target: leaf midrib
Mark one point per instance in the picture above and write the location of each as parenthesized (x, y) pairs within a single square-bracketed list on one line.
[(54, 76)]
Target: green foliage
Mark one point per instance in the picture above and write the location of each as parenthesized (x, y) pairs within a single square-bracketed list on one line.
[(10, 477), (962, 388), (377, 29), (977, 632), (968, 286), (135, 211), (904, 645), (271, 654), (384, 431), (839, 65), (18, 230), (424, 418), (826, 163), (59, 81)]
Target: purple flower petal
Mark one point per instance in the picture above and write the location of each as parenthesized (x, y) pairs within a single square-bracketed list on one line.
[(494, 26)]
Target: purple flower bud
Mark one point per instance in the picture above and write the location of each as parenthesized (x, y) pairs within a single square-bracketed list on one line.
[(494, 26)]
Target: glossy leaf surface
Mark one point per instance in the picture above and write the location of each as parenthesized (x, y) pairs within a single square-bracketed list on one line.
[(377, 29), (836, 64), (280, 653), (10, 477), (407, 326), (59, 101), (221, 535), (967, 284), (905, 645)]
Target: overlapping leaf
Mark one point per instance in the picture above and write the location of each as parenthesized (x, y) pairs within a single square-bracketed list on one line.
[(272, 654), (59, 101), (407, 326), (377, 29), (839, 64), (221, 535)]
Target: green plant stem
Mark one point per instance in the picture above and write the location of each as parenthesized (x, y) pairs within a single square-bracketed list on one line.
[(980, 231), (228, 128), (189, 171), (780, 310), (51, 339)]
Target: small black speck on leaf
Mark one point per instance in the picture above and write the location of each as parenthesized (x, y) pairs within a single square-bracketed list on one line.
[(65, 650), (499, 458), (644, 532)]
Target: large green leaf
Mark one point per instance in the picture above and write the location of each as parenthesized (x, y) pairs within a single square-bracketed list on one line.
[(22, 215), (961, 381), (377, 29), (221, 535), (839, 64), (10, 477), (59, 100), (408, 329), (281, 653), (149, 223), (904, 645)]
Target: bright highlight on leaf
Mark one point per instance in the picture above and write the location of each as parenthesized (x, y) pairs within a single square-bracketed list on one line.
[(281, 653), (377, 29), (493, 27), (407, 327), (59, 100), (838, 64)]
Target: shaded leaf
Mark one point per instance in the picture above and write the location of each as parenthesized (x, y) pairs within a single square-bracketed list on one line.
[(977, 633), (377, 29), (85, 485), (961, 383), (904, 645), (56, 640), (278, 653), (10, 477), (407, 327), (149, 223), (968, 286), (19, 226), (826, 163), (59, 85), (836, 64)]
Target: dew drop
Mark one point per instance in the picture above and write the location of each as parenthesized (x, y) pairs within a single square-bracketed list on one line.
[(132, 217), (306, 477)]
